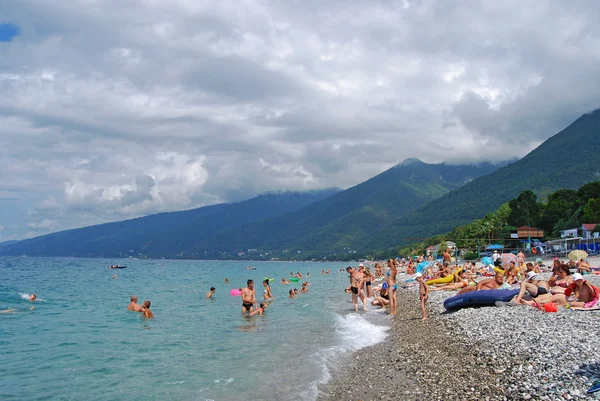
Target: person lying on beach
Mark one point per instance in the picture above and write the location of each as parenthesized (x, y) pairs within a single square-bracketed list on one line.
[(260, 310), (460, 280), (560, 280), (382, 298), (494, 283), (423, 294), (583, 267), (134, 306), (248, 297), (146, 310), (533, 285), (211, 292)]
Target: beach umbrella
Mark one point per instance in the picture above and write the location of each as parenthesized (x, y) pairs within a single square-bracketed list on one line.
[(507, 258), (487, 261), (495, 246), (576, 255)]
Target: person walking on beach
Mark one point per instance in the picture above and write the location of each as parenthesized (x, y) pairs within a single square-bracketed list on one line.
[(423, 294), (447, 258), (392, 286), (210, 293), (355, 283), (520, 258), (134, 306), (248, 297)]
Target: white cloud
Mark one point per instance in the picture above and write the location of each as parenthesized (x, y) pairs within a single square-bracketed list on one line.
[(110, 112)]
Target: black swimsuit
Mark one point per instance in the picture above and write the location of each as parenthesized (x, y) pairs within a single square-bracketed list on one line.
[(354, 290), (247, 306), (368, 283)]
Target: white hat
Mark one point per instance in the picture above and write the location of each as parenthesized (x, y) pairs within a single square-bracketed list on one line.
[(531, 275), (577, 276), (361, 265), (418, 275)]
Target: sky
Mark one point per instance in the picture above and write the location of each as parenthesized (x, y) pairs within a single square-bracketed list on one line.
[(111, 111)]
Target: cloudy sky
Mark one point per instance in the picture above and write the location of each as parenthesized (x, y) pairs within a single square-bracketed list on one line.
[(110, 111)]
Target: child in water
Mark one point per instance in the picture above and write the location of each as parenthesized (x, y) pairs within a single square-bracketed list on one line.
[(146, 310), (260, 310), (423, 294)]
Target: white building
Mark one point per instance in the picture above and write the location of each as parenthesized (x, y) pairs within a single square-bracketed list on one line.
[(568, 233)]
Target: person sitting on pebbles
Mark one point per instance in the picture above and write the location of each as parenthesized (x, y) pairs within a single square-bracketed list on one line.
[(533, 285), (583, 267), (560, 279)]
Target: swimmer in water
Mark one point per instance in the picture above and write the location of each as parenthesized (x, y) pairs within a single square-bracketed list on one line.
[(226, 280), (146, 310), (32, 297), (211, 292), (114, 276), (292, 293), (260, 310), (134, 306)]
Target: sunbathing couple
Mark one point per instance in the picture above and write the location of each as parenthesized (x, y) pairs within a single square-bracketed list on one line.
[(144, 309)]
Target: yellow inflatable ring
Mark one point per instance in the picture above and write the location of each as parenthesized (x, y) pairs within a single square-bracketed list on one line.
[(498, 270), (444, 280)]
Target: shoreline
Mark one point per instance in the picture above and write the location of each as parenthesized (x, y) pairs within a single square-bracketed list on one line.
[(510, 353)]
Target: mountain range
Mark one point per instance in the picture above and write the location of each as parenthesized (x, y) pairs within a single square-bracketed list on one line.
[(569, 159), (316, 223), (136, 236), (404, 204)]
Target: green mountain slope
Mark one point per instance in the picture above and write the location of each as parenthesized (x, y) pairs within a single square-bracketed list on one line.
[(164, 234), (348, 219), (569, 159)]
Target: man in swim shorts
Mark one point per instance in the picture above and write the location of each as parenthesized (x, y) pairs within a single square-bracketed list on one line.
[(355, 284), (134, 306), (248, 297), (447, 258)]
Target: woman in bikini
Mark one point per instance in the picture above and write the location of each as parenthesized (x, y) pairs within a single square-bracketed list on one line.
[(267, 294), (561, 280), (392, 286)]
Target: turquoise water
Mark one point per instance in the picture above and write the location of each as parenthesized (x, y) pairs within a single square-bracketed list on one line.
[(82, 343)]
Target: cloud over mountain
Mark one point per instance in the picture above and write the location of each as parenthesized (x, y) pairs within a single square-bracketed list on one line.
[(111, 111)]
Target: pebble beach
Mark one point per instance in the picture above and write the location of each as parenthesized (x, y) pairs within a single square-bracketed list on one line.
[(488, 353)]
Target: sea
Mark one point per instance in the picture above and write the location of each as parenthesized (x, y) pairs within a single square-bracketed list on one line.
[(81, 343)]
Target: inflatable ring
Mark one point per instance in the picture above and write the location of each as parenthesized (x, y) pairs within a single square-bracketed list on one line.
[(499, 270), (534, 250), (294, 279), (444, 280), (235, 292)]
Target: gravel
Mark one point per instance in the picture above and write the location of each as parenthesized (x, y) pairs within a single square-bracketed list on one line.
[(489, 353)]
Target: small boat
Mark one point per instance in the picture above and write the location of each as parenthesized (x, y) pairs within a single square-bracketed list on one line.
[(250, 268), (117, 267)]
